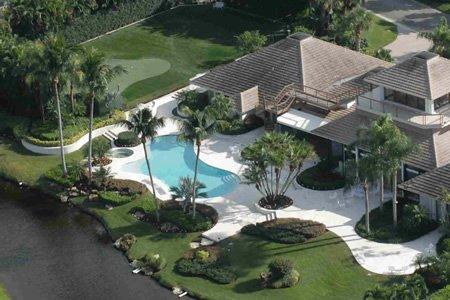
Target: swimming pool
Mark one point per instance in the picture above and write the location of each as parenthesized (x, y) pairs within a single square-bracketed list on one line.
[(171, 159)]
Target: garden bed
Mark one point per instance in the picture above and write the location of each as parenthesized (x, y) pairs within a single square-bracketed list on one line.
[(238, 126), (319, 179), (281, 202), (383, 231)]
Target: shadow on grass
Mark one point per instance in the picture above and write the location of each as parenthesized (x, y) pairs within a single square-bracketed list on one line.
[(247, 287)]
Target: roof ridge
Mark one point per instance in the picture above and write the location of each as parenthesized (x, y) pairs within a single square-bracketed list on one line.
[(429, 79)]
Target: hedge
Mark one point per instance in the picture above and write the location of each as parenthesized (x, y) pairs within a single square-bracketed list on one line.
[(103, 21), (286, 231), (127, 139), (115, 198), (213, 271), (69, 138)]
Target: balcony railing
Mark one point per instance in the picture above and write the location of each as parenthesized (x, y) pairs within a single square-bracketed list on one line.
[(403, 113)]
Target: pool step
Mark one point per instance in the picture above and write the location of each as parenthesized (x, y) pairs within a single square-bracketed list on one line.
[(111, 136)]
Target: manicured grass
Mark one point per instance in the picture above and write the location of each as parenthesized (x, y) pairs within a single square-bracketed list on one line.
[(382, 229), (326, 265), (272, 9), (191, 39), (19, 164), (381, 33), (3, 293), (442, 5)]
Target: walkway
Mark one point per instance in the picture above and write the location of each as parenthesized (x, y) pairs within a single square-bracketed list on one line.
[(338, 211), (410, 17)]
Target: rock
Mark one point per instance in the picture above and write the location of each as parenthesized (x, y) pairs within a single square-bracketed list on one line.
[(109, 207), (93, 197), (177, 291), (139, 215), (194, 245), (74, 189), (73, 194), (64, 198), (94, 191), (83, 193)]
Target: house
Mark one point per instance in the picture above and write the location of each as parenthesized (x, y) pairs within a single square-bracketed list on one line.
[(326, 92)]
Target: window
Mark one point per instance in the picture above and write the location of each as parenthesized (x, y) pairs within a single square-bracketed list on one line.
[(409, 172), (404, 99), (441, 102)]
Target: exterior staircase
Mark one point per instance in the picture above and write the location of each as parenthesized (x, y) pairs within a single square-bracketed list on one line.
[(110, 136)]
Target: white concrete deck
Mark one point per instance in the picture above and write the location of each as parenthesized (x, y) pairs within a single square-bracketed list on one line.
[(337, 211)]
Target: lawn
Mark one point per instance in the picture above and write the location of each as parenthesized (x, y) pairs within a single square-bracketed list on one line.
[(3, 294), (442, 5), (19, 164), (181, 42), (380, 34), (327, 268)]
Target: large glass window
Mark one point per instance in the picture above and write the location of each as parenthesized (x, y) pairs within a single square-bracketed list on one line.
[(405, 99), (441, 102)]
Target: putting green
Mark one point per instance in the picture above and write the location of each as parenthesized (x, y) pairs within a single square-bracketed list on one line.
[(137, 70)]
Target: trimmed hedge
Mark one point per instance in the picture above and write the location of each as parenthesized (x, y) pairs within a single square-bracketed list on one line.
[(48, 137), (103, 21), (127, 139), (286, 231), (127, 186), (316, 179), (115, 198), (211, 270), (443, 245)]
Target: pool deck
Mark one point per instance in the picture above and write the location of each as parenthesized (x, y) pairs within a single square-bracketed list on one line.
[(339, 211)]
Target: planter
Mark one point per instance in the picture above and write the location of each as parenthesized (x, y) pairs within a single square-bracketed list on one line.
[(264, 207)]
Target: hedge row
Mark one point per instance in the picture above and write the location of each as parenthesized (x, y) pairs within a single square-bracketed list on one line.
[(101, 22), (213, 271), (75, 135), (114, 198)]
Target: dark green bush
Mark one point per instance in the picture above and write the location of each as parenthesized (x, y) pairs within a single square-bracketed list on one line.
[(100, 147), (320, 179), (280, 267), (213, 271), (237, 126), (414, 218), (75, 173), (103, 21), (185, 221), (281, 274), (286, 231), (443, 245), (154, 261), (114, 198), (125, 242), (442, 294), (127, 186), (127, 139)]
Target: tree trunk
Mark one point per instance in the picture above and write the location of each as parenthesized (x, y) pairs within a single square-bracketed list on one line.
[(195, 179), (381, 192), (367, 206), (60, 127), (358, 40), (394, 199), (72, 97), (91, 125), (151, 181), (38, 99)]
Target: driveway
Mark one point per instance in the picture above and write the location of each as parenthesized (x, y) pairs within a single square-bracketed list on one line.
[(411, 17)]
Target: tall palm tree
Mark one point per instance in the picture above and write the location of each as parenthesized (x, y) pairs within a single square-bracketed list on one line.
[(197, 127), (325, 10), (359, 20), (184, 191), (57, 55), (97, 74), (146, 126), (74, 75), (440, 37)]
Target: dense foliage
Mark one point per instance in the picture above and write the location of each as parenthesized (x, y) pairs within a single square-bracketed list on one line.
[(125, 242), (114, 198), (75, 173), (251, 41), (412, 287), (127, 139), (281, 274), (286, 231)]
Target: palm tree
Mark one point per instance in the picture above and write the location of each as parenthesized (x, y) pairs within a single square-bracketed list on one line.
[(359, 20), (97, 74), (57, 55), (445, 200), (440, 37), (184, 191), (325, 10), (74, 75), (363, 172), (146, 126), (197, 127)]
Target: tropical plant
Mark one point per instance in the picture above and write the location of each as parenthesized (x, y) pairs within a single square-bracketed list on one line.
[(411, 288), (445, 200), (74, 76), (414, 217), (184, 191), (363, 172), (220, 109), (102, 176), (194, 129), (269, 157), (145, 125), (352, 26), (322, 11), (383, 54), (250, 41), (97, 74), (57, 55), (440, 37)]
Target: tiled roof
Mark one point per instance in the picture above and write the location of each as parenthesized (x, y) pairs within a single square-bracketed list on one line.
[(430, 184), (299, 58), (434, 147), (425, 75)]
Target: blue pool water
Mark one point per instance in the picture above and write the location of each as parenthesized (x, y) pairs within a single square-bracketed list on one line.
[(171, 159)]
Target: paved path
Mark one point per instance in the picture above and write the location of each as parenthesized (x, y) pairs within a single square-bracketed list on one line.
[(338, 211), (410, 17)]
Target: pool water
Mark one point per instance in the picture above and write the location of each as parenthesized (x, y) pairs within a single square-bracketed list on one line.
[(171, 159)]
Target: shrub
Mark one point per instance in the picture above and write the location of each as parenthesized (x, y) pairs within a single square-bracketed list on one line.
[(185, 221), (100, 147), (250, 41), (414, 218), (127, 139), (103, 21), (75, 173), (202, 255), (125, 242), (127, 186), (443, 245), (154, 261), (281, 274), (114, 198), (213, 271), (442, 294), (286, 231)]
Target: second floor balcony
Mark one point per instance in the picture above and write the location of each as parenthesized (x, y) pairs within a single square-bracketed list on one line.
[(403, 113)]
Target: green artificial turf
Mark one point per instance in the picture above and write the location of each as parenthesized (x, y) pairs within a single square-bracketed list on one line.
[(380, 34)]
